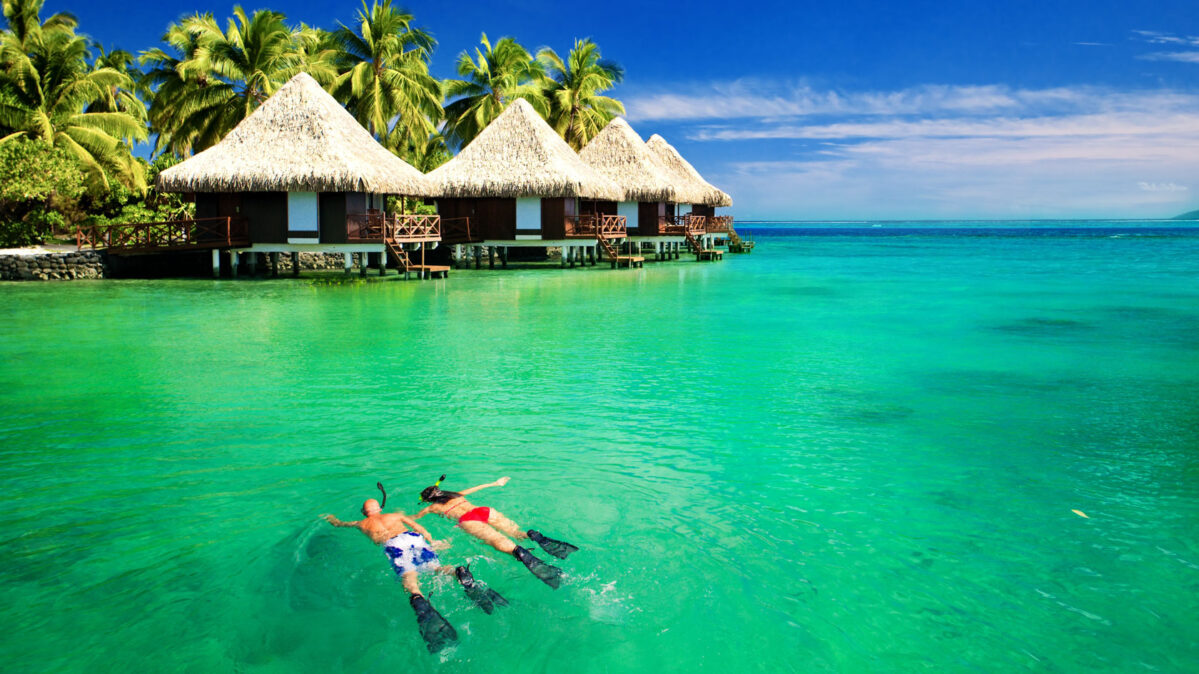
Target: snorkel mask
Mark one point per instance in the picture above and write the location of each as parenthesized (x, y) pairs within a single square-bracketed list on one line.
[(433, 490)]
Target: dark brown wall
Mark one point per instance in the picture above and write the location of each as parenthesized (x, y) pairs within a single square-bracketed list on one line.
[(706, 211), (333, 208), (598, 207), (217, 205), (553, 218), (490, 218), (267, 215), (647, 218)]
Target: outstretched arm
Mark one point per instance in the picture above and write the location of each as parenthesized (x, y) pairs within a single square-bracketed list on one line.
[(423, 511), (338, 523), (413, 525), (498, 483)]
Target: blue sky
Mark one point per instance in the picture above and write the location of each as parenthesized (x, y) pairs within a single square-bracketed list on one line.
[(861, 110)]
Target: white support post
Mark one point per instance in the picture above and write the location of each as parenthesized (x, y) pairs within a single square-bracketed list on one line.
[(349, 258), (216, 263), (233, 262)]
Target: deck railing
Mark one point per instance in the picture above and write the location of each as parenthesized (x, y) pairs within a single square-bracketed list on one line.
[(594, 226), (198, 233), (719, 223), (583, 226), (613, 227), (371, 227), (458, 230), (679, 224)]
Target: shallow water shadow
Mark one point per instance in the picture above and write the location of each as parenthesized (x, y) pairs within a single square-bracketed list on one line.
[(1040, 326)]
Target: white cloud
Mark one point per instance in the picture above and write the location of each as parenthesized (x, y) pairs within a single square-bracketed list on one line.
[(1180, 56), (1158, 37), (940, 151), (1162, 187)]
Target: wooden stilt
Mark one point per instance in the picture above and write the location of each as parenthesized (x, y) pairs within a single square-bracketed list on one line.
[(274, 265), (491, 257), (562, 259), (295, 264), (216, 263), (504, 256), (252, 264), (233, 262), (478, 257)]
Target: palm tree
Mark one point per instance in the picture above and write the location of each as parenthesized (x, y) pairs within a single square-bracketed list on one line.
[(385, 76), (493, 78), (577, 110), (48, 91), (212, 79), (119, 98)]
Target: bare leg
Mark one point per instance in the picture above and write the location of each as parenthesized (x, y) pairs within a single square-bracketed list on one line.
[(501, 522), (411, 583), (488, 535)]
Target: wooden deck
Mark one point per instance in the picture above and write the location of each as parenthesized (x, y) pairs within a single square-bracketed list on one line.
[(164, 237), (375, 226), (430, 270), (629, 260), (710, 254)]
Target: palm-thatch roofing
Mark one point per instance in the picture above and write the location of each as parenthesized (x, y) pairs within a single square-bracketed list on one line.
[(690, 187), (619, 154), (519, 155), (299, 140)]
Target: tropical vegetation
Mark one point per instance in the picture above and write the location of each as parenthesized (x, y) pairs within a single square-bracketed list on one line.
[(76, 119)]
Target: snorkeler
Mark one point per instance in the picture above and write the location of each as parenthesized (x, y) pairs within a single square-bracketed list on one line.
[(410, 549), (486, 524)]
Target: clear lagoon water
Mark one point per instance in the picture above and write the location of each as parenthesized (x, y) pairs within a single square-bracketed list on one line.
[(857, 449)]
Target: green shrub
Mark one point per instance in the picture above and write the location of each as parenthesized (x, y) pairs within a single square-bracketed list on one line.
[(38, 183)]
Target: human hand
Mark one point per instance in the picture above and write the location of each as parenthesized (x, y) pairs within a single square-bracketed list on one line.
[(502, 481), (329, 518), (438, 546)]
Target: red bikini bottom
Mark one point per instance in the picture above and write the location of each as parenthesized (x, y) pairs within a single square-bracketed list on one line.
[(476, 515)]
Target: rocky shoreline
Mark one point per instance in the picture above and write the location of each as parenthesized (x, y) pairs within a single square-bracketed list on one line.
[(51, 266)]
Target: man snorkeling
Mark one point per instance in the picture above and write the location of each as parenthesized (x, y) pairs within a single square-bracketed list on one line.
[(411, 551), (490, 525)]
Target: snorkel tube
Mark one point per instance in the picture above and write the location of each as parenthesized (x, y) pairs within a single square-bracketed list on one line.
[(421, 499), (384, 503)]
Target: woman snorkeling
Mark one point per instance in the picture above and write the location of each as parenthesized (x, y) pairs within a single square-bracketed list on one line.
[(490, 526)]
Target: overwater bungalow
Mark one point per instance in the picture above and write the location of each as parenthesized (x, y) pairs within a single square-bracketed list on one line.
[(520, 186), (300, 174), (620, 155), (702, 197)]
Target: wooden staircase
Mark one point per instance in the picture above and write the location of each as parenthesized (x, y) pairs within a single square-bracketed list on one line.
[(615, 256), (398, 255), (405, 264), (613, 227), (738, 244), (696, 244)]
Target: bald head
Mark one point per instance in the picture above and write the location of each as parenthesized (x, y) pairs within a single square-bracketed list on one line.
[(371, 507)]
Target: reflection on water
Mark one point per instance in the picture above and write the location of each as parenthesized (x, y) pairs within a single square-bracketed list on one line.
[(840, 453)]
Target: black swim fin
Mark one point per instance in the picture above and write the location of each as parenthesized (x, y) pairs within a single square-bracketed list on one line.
[(550, 575), (559, 549), (438, 633), (485, 597)]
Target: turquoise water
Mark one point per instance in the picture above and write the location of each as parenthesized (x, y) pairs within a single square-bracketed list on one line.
[(852, 450)]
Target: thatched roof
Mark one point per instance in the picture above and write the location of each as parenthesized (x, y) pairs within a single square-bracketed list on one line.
[(299, 140), (619, 154), (694, 189), (519, 155)]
